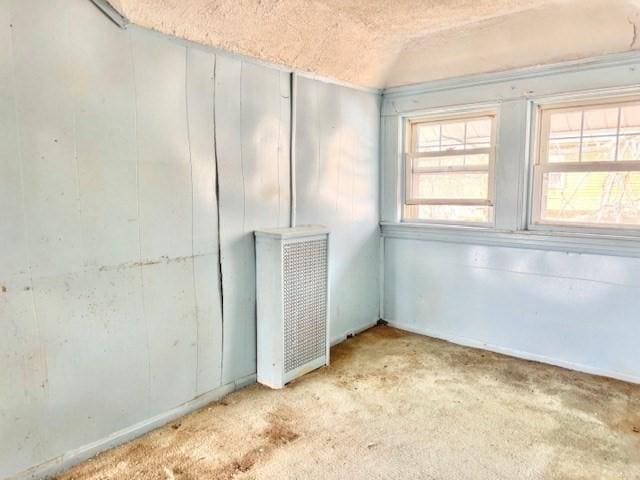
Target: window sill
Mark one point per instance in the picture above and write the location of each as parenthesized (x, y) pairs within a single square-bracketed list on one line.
[(562, 242)]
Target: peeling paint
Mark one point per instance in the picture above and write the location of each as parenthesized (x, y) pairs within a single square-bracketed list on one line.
[(145, 263)]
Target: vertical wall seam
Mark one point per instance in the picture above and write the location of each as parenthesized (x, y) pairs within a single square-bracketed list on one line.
[(293, 80), (42, 346), (340, 155), (381, 154), (352, 173), (381, 265), (242, 328), (217, 193), (380, 165), (142, 296), (244, 188), (348, 225), (319, 132), (278, 146), (193, 253), (74, 111)]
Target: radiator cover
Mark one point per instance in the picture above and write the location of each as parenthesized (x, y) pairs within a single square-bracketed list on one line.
[(292, 287)]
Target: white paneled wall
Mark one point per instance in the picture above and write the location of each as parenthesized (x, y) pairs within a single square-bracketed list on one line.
[(134, 169), (337, 185), (569, 300), (110, 307), (113, 311), (568, 309), (252, 112)]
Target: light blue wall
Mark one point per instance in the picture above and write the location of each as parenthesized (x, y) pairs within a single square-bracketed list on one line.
[(252, 113), (110, 307), (110, 313), (569, 309), (337, 185), (570, 300)]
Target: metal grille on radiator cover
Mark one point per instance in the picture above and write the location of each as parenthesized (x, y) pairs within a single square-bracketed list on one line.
[(305, 302)]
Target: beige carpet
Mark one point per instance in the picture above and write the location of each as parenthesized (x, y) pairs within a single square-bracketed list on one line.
[(400, 406)]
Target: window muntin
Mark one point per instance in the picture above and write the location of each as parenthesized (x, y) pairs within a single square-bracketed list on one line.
[(587, 171), (449, 169)]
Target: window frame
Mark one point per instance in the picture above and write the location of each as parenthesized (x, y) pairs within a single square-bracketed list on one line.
[(538, 168), (409, 125)]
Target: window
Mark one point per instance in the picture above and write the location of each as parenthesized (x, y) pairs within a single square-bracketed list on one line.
[(449, 169), (587, 171)]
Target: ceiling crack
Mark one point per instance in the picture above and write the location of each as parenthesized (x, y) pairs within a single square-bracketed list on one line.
[(634, 37)]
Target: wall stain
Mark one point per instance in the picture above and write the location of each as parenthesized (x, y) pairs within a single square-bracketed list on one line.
[(145, 263)]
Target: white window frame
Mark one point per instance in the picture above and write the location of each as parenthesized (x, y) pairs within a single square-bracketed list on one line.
[(408, 170), (540, 166)]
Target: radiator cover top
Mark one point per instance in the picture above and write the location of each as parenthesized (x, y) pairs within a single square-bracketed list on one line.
[(292, 293)]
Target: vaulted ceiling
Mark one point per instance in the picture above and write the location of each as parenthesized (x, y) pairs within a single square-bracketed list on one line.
[(381, 43)]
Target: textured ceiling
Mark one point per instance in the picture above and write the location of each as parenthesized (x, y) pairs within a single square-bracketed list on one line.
[(377, 43)]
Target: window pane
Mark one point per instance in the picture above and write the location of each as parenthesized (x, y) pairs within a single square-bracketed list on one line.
[(583, 136), (598, 149), (564, 150), (450, 213), (452, 185), (630, 119), (565, 124), (428, 138), (607, 198), (453, 136), (481, 159), (454, 174), (629, 147), (478, 133), (601, 121)]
